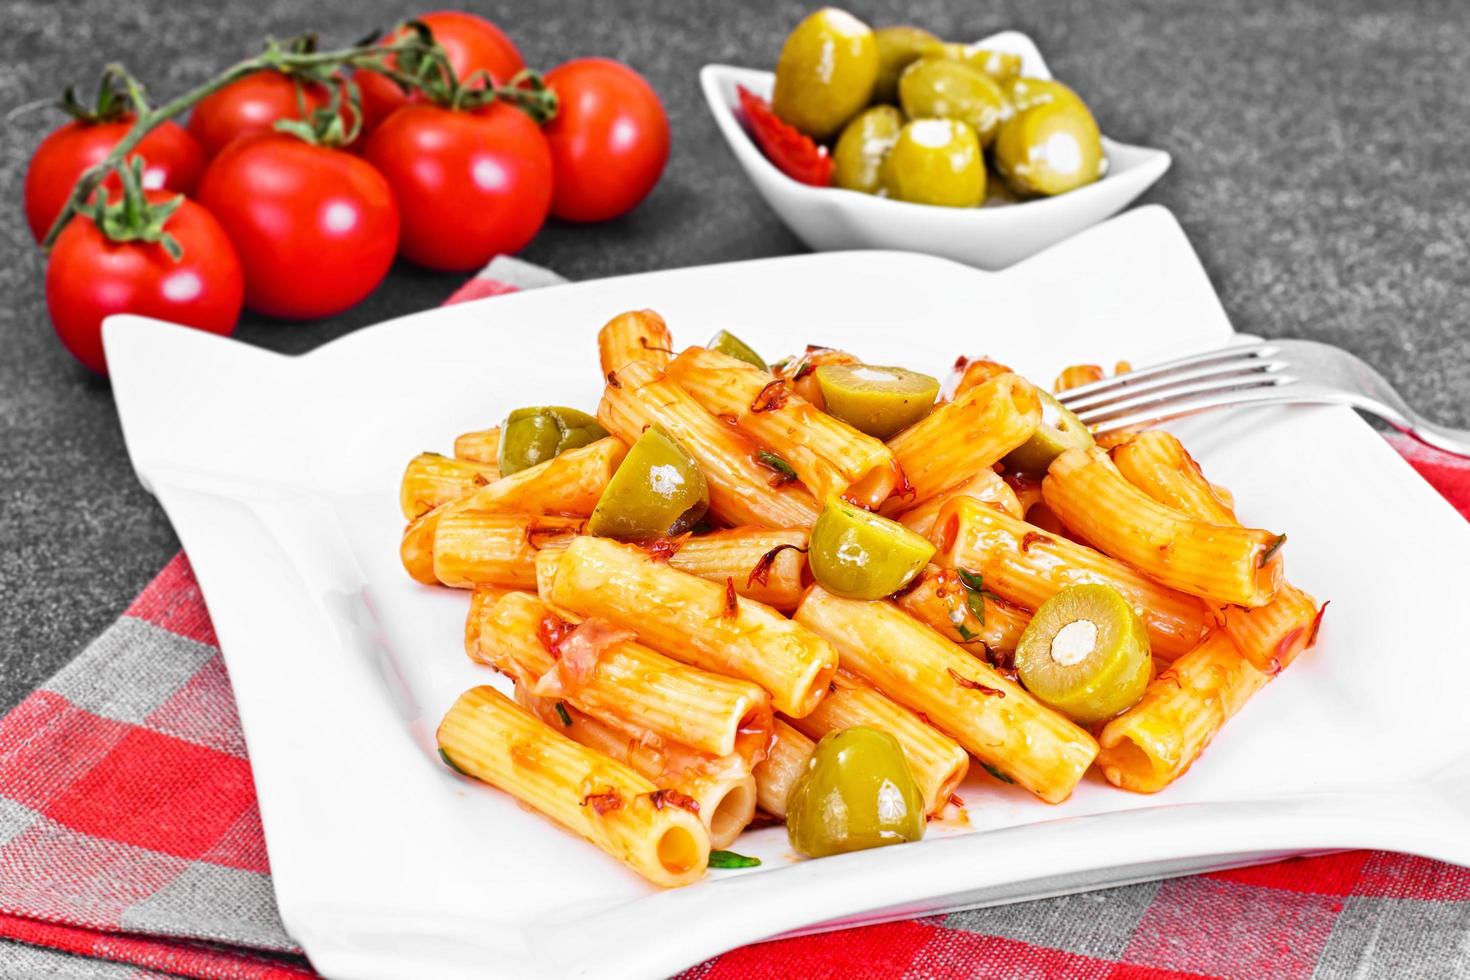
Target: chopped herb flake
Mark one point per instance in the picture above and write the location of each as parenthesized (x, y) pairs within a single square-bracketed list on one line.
[(773, 462), (997, 773), (1269, 552), (729, 859), (561, 712), (450, 763)]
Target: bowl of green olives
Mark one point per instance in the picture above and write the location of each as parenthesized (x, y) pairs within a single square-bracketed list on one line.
[(895, 139)]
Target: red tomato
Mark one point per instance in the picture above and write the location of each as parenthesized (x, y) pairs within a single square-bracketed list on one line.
[(471, 43), (472, 185), (609, 140), (90, 277), (249, 106), (791, 150), (316, 228), (172, 161)]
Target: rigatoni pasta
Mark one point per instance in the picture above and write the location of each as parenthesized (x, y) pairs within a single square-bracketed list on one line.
[(691, 619), (829, 457), (993, 718), (489, 737), (688, 641)]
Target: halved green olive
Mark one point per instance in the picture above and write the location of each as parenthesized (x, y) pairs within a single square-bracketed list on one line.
[(825, 73), (657, 491), (935, 161), (859, 555), (1049, 149), (1060, 430), (533, 435), (938, 88), (880, 401), (999, 65), (898, 47), (727, 343), (857, 160), (857, 792), (1086, 654)]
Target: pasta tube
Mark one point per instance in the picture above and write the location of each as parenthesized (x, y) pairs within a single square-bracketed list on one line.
[(1077, 375), (487, 736), (1021, 563), (432, 479), (943, 602), (638, 335), (997, 721), (722, 790), (1218, 562), (829, 456), (967, 435), (985, 486), (695, 621), (472, 548), (766, 565), (973, 374), (635, 688), (784, 762), (936, 760), (1270, 636), (741, 489), (480, 446), (1151, 744), (570, 483)]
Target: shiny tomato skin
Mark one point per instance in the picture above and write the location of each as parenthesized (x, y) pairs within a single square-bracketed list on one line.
[(89, 278), (471, 185), (172, 160), (472, 44), (316, 228), (609, 141), (249, 106)]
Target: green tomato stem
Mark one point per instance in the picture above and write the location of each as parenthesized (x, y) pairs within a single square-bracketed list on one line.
[(373, 57)]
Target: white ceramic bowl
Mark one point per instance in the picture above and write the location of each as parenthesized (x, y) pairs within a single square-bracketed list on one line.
[(991, 237)]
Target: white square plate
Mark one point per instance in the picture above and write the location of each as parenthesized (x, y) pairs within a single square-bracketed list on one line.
[(991, 237), (281, 477)]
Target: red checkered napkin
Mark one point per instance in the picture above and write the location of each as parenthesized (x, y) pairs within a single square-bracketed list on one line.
[(131, 846)]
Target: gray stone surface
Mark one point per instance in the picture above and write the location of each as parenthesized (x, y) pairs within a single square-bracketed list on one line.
[(1320, 168)]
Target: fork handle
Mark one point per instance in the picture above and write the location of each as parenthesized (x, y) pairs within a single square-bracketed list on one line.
[(1441, 437)]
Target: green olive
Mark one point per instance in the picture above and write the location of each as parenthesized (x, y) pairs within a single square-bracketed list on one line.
[(657, 491), (857, 792), (1049, 149), (1023, 93), (533, 435), (999, 65), (825, 73), (727, 343), (937, 88), (880, 401), (864, 143), (935, 161), (859, 555), (898, 47), (1060, 430), (1086, 654)]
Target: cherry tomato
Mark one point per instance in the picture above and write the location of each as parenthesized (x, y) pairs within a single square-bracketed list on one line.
[(472, 184), (471, 43), (173, 162), (249, 106), (90, 277), (609, 140), (316, 228), (791, 150)]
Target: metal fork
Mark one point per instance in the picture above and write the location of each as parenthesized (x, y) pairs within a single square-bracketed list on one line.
[(1265, 372)]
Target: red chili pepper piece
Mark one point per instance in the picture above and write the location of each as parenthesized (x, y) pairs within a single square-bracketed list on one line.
[(793, 153)]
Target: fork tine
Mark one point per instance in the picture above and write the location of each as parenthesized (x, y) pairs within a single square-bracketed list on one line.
[(1161, 397), (1238, 352), (1265, 395), (1244, 369)]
